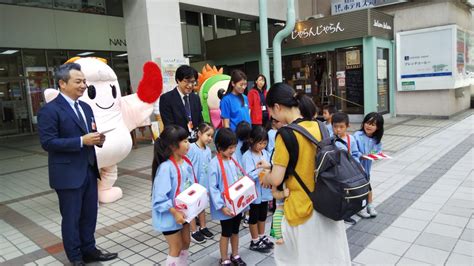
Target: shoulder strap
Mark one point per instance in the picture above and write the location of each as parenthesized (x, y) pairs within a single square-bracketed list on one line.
[(304, 132), (186, 159), (179, 175), (224, 177)]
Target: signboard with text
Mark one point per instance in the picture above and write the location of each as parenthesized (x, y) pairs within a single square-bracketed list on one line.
[(357, 24), (344, 6), (431, 59)]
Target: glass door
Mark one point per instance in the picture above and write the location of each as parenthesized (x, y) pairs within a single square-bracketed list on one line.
[(382, 80), (38, 80), (14, 118), (349, 93)]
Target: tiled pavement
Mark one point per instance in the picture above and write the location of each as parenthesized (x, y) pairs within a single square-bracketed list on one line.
[(424, 197)]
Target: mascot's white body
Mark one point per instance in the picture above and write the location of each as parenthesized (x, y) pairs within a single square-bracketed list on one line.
[(115, 115)]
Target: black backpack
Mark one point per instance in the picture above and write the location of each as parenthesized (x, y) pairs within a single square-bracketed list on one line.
[(342, 186)]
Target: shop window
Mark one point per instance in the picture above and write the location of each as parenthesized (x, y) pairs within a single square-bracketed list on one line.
[(10, 63), (349, 97), (247, 26), (226, 27), (114, 8), (208, 26), (120, 67), (32, 3), (190, 33), (382, 80), (91, 6)]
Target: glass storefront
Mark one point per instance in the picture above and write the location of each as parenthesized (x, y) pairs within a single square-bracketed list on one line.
[(331, 77), (100, 7), (26, 73)]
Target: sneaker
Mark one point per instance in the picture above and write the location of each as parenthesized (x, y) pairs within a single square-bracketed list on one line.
[(225, 262), (237, 261), (260, 246), (371, 211), (267, 241), (204, 231), (198, 237), (350, 221), (363, 214), (245, 222)]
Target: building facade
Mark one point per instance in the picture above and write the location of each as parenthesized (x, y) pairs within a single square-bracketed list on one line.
[(354, 54)]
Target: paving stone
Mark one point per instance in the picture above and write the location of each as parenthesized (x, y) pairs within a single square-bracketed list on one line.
[(459, 259), (409, 262), (444, 230), (467, 235), (451, 220), (409, 223), (402, 234), (426, 254), (419, 214), (388, 245), (436, 241), (464, 247), (370, 256)]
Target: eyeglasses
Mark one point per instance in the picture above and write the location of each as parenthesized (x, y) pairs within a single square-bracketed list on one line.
[(190, 83)]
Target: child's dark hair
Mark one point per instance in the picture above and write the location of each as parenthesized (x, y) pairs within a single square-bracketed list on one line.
[(243, 130), (257, 134), (377, 119), (170, 138), (224, 138), (204, 127), (235, 76), (330, 108), (282, 94), (340, 117)]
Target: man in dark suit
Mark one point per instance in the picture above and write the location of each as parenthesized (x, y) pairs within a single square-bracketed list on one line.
[(66, 129), (181, 106)]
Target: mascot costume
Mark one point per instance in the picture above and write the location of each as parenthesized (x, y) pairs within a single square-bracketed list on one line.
[(212, 85), (115, 115)]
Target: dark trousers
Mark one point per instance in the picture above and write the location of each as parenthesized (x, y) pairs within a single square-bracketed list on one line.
[(79, 217)]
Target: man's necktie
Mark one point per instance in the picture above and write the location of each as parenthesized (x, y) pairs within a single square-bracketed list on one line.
[(79, 115), (90, 153), (187, 107)]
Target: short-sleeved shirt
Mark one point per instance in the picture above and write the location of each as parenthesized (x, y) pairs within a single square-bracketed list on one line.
[(232, 109), (298, 206)]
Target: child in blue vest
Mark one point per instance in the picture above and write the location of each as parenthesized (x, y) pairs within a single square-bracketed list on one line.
[(200, 156), (340, 124), (369, 141), (172, 173), (258, 209), (243, 134), (226, 142)]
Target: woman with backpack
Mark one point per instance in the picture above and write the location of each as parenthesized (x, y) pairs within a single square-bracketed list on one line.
[(310, 237)]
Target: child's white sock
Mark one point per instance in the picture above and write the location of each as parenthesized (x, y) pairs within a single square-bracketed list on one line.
[(183, 257), (172, 261)]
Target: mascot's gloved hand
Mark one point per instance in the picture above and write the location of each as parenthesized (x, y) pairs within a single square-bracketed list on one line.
[(151, 85)]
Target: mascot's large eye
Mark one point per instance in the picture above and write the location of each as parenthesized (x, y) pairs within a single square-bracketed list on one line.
[(220, 93), (91, 92), (114, 91)]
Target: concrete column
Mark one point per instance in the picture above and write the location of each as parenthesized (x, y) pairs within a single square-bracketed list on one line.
[(152, 30), (369, 55)]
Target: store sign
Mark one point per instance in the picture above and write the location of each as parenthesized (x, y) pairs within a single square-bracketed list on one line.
[(117, 42), (344, 6), (318, 30), (343, 27), (383, 25), (430, 59)]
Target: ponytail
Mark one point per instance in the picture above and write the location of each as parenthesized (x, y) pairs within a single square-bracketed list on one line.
[(282, 94), (306, 105)]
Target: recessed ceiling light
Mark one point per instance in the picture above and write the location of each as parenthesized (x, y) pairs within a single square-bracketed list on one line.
[(9, 52), (85, 53), (121, 55)]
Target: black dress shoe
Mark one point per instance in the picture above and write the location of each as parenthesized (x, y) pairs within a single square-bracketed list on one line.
[(78, 263), (98, 255)]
